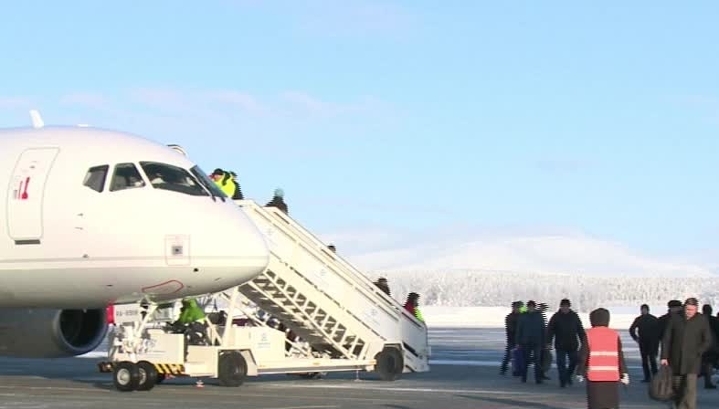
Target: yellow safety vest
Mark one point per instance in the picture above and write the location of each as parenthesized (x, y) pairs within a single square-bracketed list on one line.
[(228, 187)]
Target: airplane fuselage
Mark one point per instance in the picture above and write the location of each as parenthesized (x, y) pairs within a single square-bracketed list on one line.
[(74, 234)]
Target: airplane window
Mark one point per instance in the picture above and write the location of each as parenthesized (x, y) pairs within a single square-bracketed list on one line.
[(126, 176), (207, 182), (174, 178), (95, 177)]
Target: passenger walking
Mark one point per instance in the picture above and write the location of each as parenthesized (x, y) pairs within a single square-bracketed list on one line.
[(530, 339), (412, 306), (565, 327), (673, 307), (510, 328), (546, 357), (278, 201), (382, 284), (709, 358), (645, 332), (601, 363), (686, 337)]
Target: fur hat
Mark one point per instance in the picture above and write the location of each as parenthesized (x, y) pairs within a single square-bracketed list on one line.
[(599, 317)]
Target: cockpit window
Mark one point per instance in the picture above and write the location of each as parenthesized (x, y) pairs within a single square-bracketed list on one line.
[(126, 176), (207, 182), (174, 178), (95, 177)]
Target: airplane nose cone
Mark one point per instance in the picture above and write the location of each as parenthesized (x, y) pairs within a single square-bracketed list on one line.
[(235, 250)]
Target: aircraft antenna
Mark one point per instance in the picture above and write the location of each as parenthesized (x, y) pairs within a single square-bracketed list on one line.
[(37, 121)]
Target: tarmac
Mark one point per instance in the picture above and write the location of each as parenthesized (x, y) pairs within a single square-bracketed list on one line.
[(466, 377)]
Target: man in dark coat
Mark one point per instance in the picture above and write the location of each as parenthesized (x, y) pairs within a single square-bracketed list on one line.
[(686, 337), (673, 307), (278, 201), (710, 357), (529, 338), (546, 352), (510, 328), (566, 329), (645, 332)]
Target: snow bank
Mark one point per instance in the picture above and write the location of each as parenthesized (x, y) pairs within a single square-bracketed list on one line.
[(493, 317)]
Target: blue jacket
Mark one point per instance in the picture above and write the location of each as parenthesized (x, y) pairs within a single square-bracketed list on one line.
[(530, 329)]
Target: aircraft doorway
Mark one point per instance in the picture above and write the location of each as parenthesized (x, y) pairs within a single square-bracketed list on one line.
[(25, 194)]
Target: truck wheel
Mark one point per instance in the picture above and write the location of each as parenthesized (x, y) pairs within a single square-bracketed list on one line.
[(148, 376), (126, 376), (231, 369), (389, 364)]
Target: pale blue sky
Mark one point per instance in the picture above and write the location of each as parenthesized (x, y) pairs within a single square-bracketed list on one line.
[(602, 118)]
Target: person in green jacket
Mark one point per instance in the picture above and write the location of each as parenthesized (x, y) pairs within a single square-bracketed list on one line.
[(190, 312), (224, 181), (412, 306), (191, 322)]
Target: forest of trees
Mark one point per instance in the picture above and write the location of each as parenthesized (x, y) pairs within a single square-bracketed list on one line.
[(480, 288)]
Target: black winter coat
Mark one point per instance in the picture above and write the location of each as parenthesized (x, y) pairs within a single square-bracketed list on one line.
[(510, 326), (567, 331), (645, 330), (684, 342), (530, 329), (663, 324)]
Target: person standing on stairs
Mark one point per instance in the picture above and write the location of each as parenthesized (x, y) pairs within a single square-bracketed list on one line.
[(278, 201)]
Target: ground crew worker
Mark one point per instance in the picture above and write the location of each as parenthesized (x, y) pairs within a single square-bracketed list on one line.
[(412, 306), (601, 363), (191, 322), (238, 191), (223, 180)]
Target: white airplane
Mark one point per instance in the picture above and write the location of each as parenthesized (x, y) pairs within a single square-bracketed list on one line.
[(93, 217)]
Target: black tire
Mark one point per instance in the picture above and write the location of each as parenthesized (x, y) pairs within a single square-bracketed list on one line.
[(126, 376), (390, 364), (148, 376), (231, 369)]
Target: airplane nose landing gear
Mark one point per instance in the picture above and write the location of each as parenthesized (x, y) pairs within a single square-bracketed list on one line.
[(126, 376)]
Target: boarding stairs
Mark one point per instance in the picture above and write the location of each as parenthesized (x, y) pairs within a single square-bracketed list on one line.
[(325, 300)]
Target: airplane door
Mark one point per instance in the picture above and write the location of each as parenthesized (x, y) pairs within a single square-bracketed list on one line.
[(26, 194)]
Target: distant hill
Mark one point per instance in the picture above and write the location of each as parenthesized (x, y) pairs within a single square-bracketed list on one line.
[(529, 253), (495, 268)]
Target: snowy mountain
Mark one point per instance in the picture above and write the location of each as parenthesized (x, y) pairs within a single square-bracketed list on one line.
[(460, 268), (555, 253)]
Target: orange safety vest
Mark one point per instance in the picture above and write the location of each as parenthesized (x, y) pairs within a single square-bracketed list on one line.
[(603, 363)]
